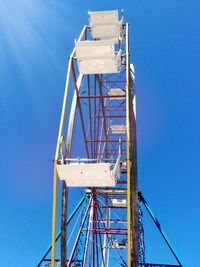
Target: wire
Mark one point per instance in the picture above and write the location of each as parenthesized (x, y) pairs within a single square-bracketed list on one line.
[(74, 226)]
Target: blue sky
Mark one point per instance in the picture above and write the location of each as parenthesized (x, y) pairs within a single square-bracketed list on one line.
[(36, 38)]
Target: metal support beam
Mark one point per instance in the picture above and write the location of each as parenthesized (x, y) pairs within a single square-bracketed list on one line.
[(80, 109), (81, 245), (159, 228), (59, 234), (141, 244), (79, 233)]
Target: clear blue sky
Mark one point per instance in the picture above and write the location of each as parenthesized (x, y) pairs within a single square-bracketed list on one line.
[(36, 38)]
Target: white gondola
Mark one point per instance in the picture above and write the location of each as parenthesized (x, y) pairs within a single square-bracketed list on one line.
[(118, 129), (97, 57), (119, 202), (105, 25), (116, 244), (124, 167), (113, 92), (89, 172)]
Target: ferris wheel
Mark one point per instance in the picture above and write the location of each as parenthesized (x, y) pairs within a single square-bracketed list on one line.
[(96, 153), (104, 79)]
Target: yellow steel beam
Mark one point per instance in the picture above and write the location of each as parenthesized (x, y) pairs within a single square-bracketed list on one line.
[(62, 118), (55, 163), (128, 146)]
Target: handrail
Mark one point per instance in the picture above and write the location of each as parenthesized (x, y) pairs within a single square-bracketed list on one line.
[(79, 160)]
